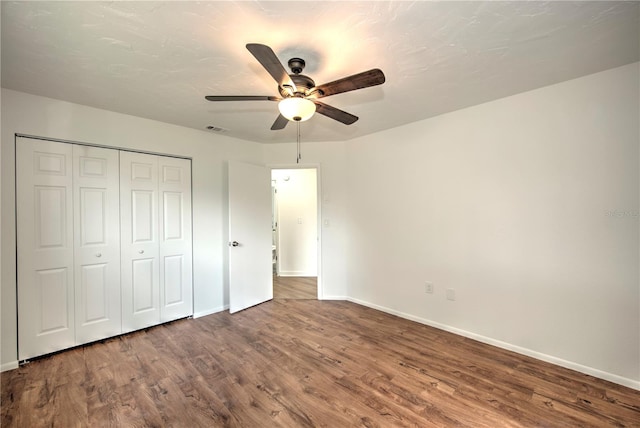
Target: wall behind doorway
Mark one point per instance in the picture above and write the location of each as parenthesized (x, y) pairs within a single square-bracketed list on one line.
[(297, 218)]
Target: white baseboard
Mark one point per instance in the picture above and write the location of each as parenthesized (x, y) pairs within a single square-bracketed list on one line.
[(296, 273), (508, 346), (210, 311), (9, 366), (334, 298)]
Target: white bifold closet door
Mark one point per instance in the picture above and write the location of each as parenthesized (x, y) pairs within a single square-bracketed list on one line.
[(155, 218), (44, 207), (96, 243), (103, 243), (68, 245), (176, 289)]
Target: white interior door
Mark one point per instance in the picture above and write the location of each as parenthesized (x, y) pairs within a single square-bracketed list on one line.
[(250, 269), (139, 240), (44, 204), (176, 299), (96, 197)]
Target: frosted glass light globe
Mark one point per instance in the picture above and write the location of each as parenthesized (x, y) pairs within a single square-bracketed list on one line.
[(297, 109)]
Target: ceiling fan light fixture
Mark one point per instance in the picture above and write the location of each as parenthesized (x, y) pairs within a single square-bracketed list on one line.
[(297, 109)]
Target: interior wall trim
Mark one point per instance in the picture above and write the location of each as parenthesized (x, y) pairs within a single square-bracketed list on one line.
[(296, 273), (201, 314), (9, 366), (102, 146)]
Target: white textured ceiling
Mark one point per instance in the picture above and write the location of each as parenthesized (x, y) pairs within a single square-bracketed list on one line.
[(159, 59)]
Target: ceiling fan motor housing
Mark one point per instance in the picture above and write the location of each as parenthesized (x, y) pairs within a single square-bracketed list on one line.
[(303, 85)]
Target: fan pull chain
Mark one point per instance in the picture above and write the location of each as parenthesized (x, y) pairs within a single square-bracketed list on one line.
[(299, 156)]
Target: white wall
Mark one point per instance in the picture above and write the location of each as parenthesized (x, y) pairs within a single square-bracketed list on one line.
[(297, 221), (329, 159), (526, 206), (28, 114)]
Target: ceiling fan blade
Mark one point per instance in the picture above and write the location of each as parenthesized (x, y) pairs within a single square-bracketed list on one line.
[(280, 123), (265, 56), (357, 81), (241, 98), (335, 113)]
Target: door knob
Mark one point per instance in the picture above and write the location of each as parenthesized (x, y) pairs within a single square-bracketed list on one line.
[(98, 255), (234, 244), (141, 251)]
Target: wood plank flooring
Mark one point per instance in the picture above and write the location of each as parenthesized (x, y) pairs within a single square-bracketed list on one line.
[(295, 287), (304, 363)]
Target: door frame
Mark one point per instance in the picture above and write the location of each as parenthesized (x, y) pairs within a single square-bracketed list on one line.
[(315, 166)]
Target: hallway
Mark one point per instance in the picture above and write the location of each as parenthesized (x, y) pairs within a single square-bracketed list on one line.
[(295, 287)]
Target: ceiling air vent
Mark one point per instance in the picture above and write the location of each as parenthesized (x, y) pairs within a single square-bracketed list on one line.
[(216, 129)]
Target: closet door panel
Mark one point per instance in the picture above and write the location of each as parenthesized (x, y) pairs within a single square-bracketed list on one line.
[(139, 240), (94, 293), (96, 182), (176, 295), (143, 280), (52, 287), (143, 216), (44, 205)]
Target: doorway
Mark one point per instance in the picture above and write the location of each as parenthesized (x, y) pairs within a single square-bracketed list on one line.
[(295, 233)]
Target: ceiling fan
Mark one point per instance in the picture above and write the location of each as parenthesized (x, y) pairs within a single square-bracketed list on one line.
[(299, 93)]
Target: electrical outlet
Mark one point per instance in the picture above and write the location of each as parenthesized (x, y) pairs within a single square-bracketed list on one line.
[(428, 287), (451, 294)]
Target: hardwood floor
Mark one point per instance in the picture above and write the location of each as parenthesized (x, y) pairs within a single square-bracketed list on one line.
[(299, 363), (295, 287)]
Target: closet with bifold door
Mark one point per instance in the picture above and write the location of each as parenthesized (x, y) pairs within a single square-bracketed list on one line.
[(104, 243)]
